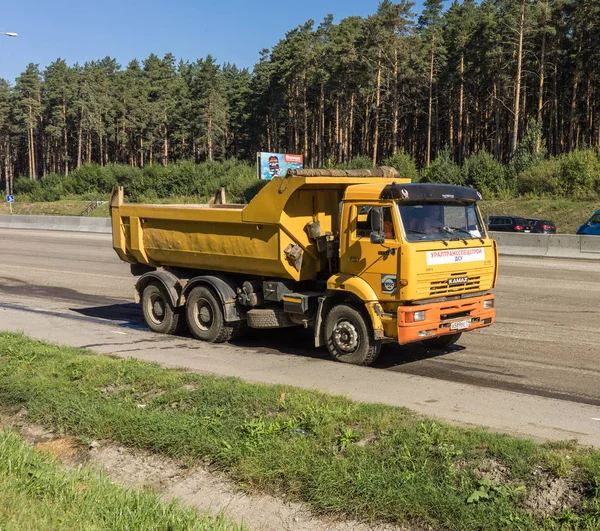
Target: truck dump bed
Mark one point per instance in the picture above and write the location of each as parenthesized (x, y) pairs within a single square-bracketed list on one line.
[(249, 239)]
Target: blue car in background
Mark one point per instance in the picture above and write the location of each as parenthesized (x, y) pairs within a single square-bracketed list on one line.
[(592, 226)]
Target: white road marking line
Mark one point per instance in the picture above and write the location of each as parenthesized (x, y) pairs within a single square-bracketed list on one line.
[(125, 333), (594, 418)]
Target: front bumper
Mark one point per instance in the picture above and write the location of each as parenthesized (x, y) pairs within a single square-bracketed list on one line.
[(440, 316)]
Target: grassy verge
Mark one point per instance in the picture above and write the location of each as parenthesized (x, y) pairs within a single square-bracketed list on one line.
[(56, 208), (38, 494), (75, 207), (367, 461)]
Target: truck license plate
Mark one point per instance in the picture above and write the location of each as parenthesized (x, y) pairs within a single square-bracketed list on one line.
[(460, 325)]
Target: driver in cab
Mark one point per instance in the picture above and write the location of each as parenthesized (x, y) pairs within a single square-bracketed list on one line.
[(427, 220)]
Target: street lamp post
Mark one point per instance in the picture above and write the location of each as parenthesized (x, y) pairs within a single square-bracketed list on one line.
[(8, 34)]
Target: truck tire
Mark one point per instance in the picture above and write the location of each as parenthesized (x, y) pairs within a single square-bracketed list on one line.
[(269, 318), (205, 316), (349, 336), (442, 342), (159, 313)]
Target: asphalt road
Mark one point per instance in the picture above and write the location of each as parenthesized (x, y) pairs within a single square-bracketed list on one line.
[(546, 342)]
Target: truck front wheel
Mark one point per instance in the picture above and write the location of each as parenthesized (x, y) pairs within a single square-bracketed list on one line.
[(159, 313), (205, 316), (349, 336)]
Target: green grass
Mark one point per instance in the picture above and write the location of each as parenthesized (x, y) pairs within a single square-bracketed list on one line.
[(367, 461), (75, 206), (66, 207), (38, 493), (567, 214)]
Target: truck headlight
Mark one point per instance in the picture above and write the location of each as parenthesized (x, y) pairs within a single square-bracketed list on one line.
[(419, 316), (488, 305)]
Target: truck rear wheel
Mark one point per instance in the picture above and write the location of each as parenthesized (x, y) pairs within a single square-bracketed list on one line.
[(349, 336), (159, 313), (205, 316), (442, 341)]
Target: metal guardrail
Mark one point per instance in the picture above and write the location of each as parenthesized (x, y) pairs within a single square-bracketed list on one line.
[(91, 206)]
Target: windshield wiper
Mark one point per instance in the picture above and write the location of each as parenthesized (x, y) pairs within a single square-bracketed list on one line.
[(464, 231), (458, 229), (453, 230)]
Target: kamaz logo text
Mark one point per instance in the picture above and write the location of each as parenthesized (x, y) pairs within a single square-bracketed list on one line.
[(458, 280)]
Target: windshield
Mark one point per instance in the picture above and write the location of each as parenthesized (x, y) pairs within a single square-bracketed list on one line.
[(440, 221)]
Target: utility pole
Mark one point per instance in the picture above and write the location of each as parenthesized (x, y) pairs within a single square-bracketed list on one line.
[(6, 172)]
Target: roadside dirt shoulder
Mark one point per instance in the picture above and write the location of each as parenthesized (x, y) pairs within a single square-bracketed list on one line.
[(195, 484)]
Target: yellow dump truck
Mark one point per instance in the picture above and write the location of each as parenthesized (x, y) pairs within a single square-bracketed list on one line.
[(359, 257)]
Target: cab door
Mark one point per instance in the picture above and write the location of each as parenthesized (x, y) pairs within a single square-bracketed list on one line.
[(377, 264)]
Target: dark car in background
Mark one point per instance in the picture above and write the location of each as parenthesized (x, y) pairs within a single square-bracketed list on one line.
[(508, 224), (542, 226)]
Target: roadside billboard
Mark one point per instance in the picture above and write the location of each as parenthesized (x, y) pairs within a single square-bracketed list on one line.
[(277, 164)]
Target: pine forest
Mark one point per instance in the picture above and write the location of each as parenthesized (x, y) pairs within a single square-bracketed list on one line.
[(457, 80)]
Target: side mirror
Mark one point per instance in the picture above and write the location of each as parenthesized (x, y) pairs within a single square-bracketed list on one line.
[(377, 229), (377, 237)]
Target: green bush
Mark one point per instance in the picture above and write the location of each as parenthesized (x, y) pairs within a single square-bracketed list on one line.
[(406, 166), (357, 163), (576, 174), (93, 178), (580, 173), (230, 174), (530, 150), (543, 178), (483, 172), (49, 188), (25, 185), (151, 183), (126, 176), (443, 170), (52, 187)]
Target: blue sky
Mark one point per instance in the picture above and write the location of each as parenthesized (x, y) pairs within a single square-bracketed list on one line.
[(82, 30)]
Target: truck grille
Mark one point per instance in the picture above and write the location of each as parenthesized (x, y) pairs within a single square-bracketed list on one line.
[(441, 287), (436, 284)]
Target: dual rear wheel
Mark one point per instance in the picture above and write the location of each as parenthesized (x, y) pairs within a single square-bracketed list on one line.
[(205, 317), (159, 313), (203, 313)]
